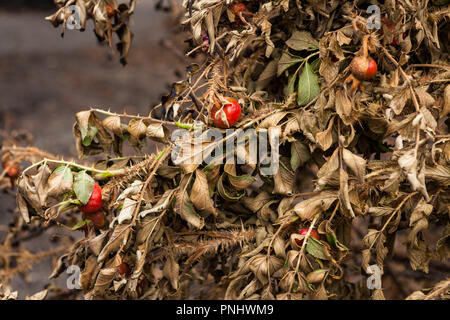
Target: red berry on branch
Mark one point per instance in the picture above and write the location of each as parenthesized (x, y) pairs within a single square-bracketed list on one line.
[(303, 232), (98, 219), (95, 202), (228, 115), (363, 68), (110, 10), (391, 28), (237, 8), (124, 268), (13, 169)]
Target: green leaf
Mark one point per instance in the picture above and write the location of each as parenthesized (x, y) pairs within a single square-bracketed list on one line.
[(331, 237), (105, 175), (88, 134), (286, 61), (161, 154), (83, 186), (65, 172), (315, 248), (308, 86), (302, 40), (299, 154), (315, 64), (186, 126), (230, 194)]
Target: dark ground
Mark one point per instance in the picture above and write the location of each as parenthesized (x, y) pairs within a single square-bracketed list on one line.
[(46, 79)]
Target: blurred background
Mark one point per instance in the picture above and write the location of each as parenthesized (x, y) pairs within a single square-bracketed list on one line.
[(46, 79), (44, 76)]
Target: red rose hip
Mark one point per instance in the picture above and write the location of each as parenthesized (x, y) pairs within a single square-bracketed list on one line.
[(238, 7), (98, 219), (363, 68), (229, 114), (95, 202), (13, 169), (124, 268), (110, 10), (303, 232)]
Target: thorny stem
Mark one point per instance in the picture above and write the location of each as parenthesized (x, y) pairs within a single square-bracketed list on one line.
[(70, 163), (109, 113), (365, 52)]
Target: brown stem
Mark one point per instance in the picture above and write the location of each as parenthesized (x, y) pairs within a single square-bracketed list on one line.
[(365, 52)]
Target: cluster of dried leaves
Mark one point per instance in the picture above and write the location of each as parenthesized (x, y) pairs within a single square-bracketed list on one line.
[(109, 16), (191, 230)]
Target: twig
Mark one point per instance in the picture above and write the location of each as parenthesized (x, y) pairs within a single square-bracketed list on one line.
[(305, 240)]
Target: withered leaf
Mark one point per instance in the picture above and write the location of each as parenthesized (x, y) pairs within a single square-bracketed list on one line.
[(162, 204), (398, 103), (356, 164), (184, 206), (137, 128), (23, 207), (106, 275), (200, 194), (308, 209), (171, 272), (118, 237), (325, 138), (316, 275), (284, 179), (128, 208), (239, 182), (227, 192), (344, 107), (302, 40), (286, 61), (60, 181), (446, 108), (113, 124)]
